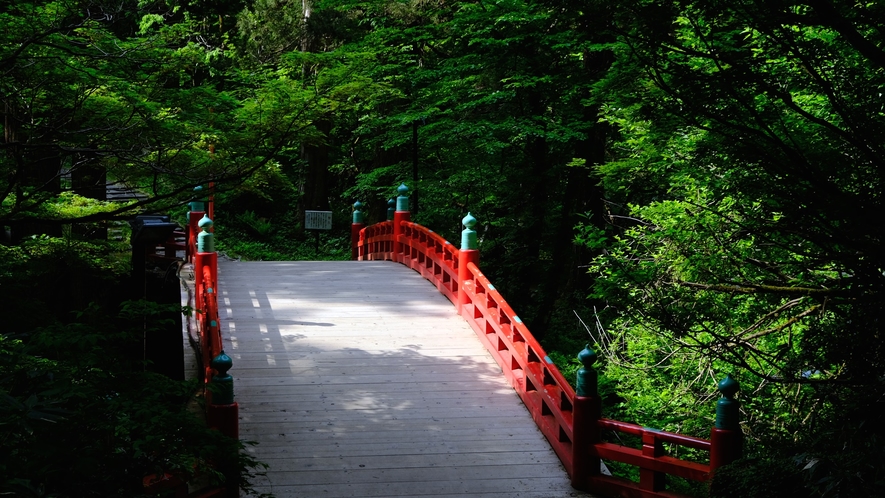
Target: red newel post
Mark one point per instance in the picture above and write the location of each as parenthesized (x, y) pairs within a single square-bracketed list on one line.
[(355, 228), (585, 430), (402, 214), (197, 211), (726, 438), (222, 414), (204, 257), (468, 254)]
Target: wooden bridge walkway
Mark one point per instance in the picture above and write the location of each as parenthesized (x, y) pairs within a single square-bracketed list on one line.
[(360, 379)]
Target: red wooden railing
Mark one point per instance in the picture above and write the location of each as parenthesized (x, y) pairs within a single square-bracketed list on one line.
[(205, 266), (571, 423), (222, 412)]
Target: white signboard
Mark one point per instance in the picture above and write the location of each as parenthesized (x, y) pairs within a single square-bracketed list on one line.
[(318, 220)]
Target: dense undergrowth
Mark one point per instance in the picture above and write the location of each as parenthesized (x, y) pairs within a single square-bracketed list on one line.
[(81, 413)]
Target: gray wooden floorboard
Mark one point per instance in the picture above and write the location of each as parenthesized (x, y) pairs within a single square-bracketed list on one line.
[(358, 379)]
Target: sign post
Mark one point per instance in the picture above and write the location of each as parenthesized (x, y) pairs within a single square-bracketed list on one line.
[(316, 221)]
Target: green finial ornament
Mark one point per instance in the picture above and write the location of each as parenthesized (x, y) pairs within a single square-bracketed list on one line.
[(391, 208), (468, 235), (727, 408), (587, 377), (402, 201), (357, 213), (223, 390), (197, 204), (206, 239)]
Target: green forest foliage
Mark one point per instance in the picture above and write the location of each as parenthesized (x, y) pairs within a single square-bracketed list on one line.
[(693, 187)]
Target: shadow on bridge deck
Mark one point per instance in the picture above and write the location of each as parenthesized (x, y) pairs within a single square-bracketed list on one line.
[(360, 379)]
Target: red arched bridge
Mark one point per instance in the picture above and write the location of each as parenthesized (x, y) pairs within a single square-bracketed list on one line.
[(360, 378)]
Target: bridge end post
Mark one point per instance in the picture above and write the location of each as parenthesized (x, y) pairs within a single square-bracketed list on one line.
[(726, 438), (391, 208), (222, 414), (587, 410), (197, 211), (203, 246), (400, 215), (355, 228), (467, 254)]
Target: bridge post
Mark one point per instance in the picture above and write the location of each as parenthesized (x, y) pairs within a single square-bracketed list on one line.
[(204, 256), (197, 211), (357, 225), (726, 439), (468, 254), (222, 414), (585, 430), (391, 208), (402, 214)]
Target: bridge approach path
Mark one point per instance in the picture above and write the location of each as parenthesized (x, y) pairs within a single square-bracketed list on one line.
[(360, 379)]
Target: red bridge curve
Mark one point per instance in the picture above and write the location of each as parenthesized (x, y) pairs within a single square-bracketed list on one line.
[(571, 422)]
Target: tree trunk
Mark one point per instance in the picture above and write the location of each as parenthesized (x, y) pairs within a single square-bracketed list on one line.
[(90, 180), (316, 185)]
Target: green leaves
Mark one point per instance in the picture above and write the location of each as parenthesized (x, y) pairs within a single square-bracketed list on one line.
[(148, 21), (738, 150)]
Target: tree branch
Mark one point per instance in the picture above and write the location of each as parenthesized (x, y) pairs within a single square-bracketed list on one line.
[(829, 16), (757, 289)]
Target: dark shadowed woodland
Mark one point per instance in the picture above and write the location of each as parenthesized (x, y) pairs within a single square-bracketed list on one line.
[(694, 188)]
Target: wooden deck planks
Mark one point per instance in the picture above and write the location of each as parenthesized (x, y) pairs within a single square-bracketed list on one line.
[(360, 379)]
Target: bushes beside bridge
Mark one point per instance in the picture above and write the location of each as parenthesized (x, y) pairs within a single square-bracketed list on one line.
[(81, 414)]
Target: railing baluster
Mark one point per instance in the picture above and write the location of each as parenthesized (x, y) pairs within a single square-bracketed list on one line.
[(651, 480)]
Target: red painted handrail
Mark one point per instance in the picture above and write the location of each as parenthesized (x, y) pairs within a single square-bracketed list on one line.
[(548, 396), (209, 323), (426, 252), (221, 413), (376, 242), (665, 437), (543, 389), (206, 301)]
